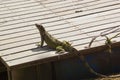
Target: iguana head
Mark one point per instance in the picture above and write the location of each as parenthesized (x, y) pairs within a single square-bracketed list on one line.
[(40, 28)]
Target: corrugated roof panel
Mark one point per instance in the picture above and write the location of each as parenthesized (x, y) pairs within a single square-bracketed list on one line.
[(77, 21)]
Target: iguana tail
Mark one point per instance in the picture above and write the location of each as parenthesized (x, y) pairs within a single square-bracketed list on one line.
[(89, 68)]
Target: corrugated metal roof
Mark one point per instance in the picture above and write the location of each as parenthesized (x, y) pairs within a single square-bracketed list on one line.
[(77, 21)]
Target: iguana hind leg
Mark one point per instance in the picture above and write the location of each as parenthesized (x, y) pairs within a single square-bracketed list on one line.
[(59, 49)]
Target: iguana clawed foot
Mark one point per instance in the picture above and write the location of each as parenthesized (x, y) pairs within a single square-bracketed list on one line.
[(38, 44)]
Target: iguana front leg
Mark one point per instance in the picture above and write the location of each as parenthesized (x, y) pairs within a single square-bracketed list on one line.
[(41, 42)]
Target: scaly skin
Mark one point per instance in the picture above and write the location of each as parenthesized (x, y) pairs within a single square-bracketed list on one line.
[(55, 44)]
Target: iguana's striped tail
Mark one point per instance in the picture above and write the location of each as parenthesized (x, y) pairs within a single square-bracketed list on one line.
[(89, 68)]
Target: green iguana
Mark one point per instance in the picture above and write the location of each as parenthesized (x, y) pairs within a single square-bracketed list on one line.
[(63, 46)]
